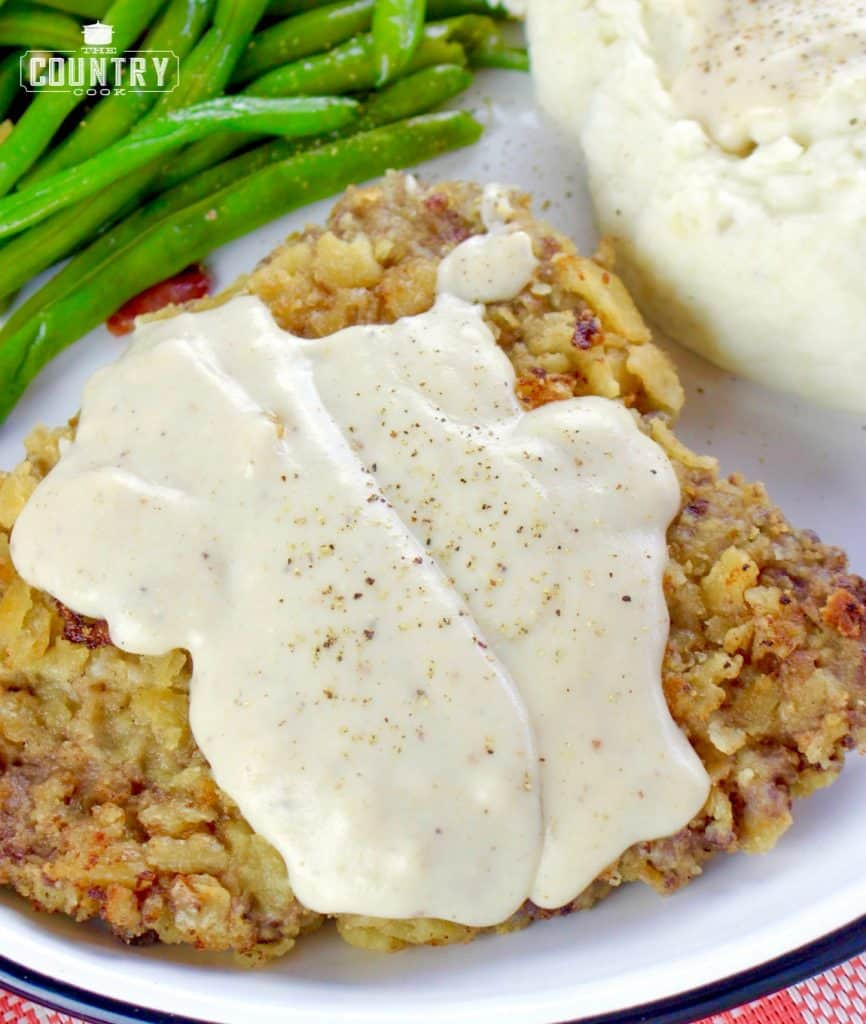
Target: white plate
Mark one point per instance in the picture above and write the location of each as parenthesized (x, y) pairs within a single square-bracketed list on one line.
[(634, 949)]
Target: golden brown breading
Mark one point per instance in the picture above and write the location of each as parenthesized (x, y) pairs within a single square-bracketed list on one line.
[(108, 809)]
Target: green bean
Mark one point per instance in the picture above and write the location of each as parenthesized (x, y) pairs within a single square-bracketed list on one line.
[(449, 8), (418, 92), (207, 70), (398, 26), (81, 8), (485, 43), (10, 82), (346, 68), (287, 117), (39, 123), (286, 8), (471, 31), (39, 29), (351, 67), (435, 8), (195, 231), (31, 252), (511, 58), (303, 35), (177, 31), (62, 233)]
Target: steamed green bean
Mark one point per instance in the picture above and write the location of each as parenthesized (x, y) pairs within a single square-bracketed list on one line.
[(287, 117), (194, 231)]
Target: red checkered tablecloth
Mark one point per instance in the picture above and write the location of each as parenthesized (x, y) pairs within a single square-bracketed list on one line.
[(835, 997)]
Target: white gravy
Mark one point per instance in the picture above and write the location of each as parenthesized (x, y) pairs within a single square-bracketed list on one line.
[(759, 71), (426, 627)]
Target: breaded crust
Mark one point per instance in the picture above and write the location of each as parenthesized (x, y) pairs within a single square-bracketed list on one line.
[(109, 810)]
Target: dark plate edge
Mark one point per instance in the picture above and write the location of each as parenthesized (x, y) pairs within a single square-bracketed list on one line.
[(693, 1004)]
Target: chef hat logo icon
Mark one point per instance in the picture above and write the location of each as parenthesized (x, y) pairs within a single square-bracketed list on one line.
[(97, 34)]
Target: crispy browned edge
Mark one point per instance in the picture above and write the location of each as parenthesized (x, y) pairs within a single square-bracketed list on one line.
[(107, 808)]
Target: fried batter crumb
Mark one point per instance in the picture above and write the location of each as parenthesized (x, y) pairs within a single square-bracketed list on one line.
[(79, 629), (107, 807)]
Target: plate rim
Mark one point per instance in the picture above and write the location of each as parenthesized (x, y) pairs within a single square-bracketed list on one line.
[(780, 972)]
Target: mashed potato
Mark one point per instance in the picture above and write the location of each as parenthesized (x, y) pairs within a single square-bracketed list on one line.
[(725, 143)]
